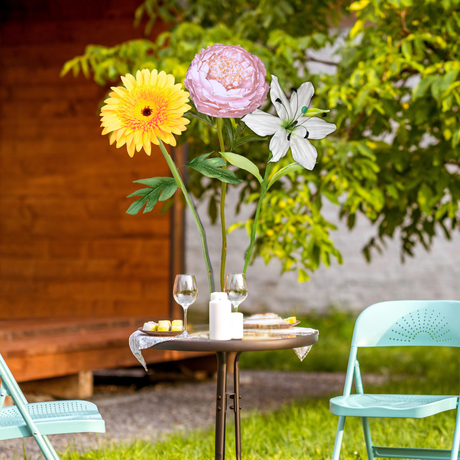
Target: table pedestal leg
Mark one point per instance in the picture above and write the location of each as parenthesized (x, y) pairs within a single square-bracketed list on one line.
[(237, 407), (221, 404)]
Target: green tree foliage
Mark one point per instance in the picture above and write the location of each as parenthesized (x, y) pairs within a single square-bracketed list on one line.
[(394, 95)]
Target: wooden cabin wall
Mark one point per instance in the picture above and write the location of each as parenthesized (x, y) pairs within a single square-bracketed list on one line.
[(67, 246)]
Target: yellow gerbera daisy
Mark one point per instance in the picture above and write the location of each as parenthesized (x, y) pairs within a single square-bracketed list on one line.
[(148, 108)]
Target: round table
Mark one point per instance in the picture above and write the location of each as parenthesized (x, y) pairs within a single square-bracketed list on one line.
[(252, 341)]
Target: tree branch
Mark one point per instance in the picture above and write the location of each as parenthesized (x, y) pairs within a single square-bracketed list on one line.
[(321, 61), (355, 124)]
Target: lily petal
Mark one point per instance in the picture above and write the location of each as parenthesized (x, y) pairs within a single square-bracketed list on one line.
[(279, 145), (262, 123), (283, 108), (317, 127), (301, 98), (303, 152)]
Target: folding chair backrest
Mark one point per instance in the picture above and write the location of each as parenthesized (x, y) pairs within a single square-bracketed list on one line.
[(409, 323), (10, 385)]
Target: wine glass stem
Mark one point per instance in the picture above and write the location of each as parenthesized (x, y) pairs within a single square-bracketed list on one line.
[(185, 319)]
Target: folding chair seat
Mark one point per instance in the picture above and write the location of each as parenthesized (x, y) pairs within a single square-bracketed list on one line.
[(397, 406), (399, 323), (45, 418)]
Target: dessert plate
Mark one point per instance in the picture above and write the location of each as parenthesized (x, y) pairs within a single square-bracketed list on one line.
[(268, 323), (161, 333)]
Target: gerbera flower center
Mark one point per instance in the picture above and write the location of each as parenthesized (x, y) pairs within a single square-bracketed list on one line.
[(146, 111), (228, 72), (150, 108)]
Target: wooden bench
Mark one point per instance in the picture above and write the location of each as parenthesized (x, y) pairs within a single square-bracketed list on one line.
[(72, 348)]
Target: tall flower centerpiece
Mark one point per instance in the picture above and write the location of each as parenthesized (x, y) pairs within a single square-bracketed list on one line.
[(227, 85), (226, 82)]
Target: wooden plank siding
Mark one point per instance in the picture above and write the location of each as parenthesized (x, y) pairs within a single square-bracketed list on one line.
[(68, 250), (67, 247)]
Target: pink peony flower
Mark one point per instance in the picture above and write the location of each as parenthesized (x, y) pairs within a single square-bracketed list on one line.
[(226, 81)]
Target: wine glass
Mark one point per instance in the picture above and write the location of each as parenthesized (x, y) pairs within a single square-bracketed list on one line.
[(185, 293), (236, 288)]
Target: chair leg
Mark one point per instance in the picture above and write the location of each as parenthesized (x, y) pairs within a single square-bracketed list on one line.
[(54, 454), (44, 444), (367, 438), (456, 442), (338, 438)]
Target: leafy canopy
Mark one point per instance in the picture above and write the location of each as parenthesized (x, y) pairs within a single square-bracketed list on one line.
[(393, 91)]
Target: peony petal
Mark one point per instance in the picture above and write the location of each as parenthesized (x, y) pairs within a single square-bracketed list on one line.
[(317, 128), (301, 98), (262, 123), (283, 109), (303, 152), (279, 145)]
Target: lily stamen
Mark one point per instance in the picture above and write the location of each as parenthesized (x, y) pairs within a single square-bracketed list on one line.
[(281, 102)]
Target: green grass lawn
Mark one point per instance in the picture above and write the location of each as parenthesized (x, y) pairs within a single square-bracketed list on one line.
[(306, 429), (299, 431)]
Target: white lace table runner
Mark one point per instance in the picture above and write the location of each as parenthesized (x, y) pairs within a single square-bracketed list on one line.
[(140, 341)]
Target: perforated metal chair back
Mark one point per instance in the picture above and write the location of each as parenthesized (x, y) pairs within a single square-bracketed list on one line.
[(41, 419), (409, 323), (399, 323)]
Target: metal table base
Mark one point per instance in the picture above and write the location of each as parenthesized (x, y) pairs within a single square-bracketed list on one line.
[(222, 405), (231, 400)]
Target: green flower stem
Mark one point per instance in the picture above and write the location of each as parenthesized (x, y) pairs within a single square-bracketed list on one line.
[(223, 193), (180, 184), (263, 191)]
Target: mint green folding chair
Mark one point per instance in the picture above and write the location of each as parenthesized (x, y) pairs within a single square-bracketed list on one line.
[(41, 419), (389, 324)]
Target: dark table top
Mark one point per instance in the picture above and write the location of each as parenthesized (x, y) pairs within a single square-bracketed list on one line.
[(253, 341)]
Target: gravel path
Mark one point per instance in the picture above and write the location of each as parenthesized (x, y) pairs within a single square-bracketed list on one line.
[(162, 408)]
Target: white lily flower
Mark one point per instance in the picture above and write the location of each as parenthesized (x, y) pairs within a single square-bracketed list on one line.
[(290, 128)]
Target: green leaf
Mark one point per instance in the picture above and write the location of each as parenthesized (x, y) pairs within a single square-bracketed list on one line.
[(332, 197), (235, 226), (406, 49), (160, 189), (357, 28), (213, 168), (243, 163), (302, 276), (293, 167), (359, 5), (200, 117), (366, 151), (229, 130), (424, 84), (424, 197), (249, 138), (212, 209)]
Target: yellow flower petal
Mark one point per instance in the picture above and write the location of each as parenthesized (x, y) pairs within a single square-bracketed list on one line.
[(130, 146)]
